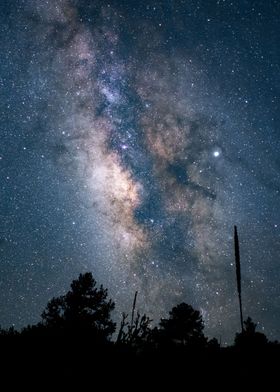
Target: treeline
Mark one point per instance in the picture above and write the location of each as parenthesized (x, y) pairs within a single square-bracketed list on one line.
[(77, 339), (85, 312)]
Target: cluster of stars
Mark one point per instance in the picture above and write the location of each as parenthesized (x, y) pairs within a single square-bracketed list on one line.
[(133, 137)]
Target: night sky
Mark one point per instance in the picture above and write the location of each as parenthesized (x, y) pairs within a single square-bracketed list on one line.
[(134, 135)]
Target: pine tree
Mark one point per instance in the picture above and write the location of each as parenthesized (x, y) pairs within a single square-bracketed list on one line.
[(84, 309)]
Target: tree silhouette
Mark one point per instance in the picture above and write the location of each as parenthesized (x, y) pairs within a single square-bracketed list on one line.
[(84, 309), (250, 338), (184, 327), (136, 334), (10, 332), (53, 315)]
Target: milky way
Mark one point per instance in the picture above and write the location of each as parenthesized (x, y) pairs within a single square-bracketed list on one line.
[(147, 161)]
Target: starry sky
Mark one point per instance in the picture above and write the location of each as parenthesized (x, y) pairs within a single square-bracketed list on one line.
[(133, 136)]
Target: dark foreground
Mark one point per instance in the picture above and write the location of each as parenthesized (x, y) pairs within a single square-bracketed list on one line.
[(73, 361)]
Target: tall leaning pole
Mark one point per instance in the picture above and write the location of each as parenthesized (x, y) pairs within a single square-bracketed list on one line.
[(238, 274)]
